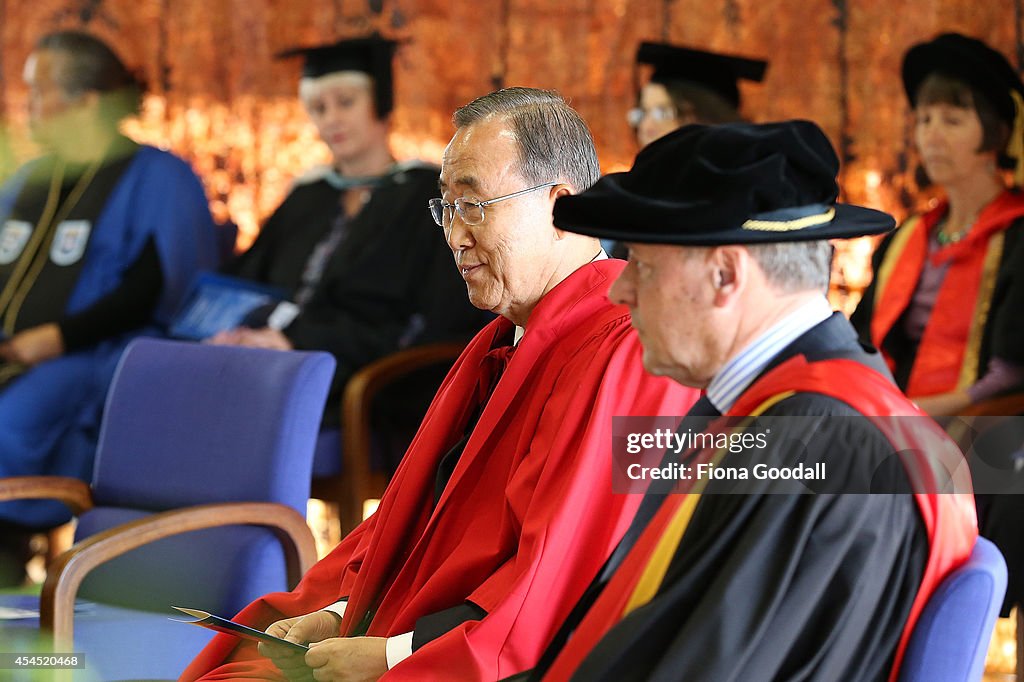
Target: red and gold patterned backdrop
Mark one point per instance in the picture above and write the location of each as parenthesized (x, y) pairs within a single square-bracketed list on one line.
[(219, 99)]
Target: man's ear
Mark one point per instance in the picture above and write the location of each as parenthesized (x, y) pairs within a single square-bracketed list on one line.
[(554, 192), (729, 272), (562, 189)]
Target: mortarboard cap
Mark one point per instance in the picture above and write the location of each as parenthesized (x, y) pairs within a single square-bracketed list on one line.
[(371, 55), (717, 72)]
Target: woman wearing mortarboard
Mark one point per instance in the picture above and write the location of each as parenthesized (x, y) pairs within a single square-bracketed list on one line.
[(689, 86), (354, 244)]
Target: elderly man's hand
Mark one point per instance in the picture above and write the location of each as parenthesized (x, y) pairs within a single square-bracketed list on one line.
[(348, 659), (252, 338), (33, 345), (314, 627)]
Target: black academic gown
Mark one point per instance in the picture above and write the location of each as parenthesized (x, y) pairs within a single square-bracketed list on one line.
[(390, 283), (1003, 328), (1000, 516), (779, 586)]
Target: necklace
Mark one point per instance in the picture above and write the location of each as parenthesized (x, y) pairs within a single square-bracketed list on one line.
[(945, 238)]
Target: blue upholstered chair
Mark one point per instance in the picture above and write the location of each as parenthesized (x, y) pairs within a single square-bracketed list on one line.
[(951, 638), (194, 438)]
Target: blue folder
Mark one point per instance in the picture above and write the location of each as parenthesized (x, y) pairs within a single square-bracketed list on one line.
[(218, 302)]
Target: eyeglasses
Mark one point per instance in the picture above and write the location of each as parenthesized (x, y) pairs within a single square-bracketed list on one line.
[(471, 212), (636, 115)]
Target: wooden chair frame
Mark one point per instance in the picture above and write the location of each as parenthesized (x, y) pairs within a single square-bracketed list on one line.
[(357, 481), (66, 573)]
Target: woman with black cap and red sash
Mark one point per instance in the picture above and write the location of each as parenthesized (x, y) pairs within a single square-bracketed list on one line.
[(948, 291), (944, 306)]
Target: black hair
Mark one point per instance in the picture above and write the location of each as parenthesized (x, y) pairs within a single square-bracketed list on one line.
[(94, 67)]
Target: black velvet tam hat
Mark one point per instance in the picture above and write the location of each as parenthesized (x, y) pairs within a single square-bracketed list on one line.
[(735, 183), (717, 72), (370, 55)]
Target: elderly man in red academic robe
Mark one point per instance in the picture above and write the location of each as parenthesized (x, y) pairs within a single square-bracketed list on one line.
[(502, 511)]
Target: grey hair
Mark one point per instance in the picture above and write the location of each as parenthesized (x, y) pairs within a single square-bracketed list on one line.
[(554, 141), (795, 266)]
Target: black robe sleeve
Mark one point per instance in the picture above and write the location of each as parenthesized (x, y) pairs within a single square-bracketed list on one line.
[(279, 254), (782, 586), (430, 627), (1004, 331), (896, 343), (862, 315), (390, 283), (127, 307)]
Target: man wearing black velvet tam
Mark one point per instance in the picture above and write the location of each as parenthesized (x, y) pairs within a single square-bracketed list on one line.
[(727, 228), (686, 86)]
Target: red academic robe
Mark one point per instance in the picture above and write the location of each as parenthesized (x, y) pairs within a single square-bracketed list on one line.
[(524, 523), (950, 519), (947, 356)]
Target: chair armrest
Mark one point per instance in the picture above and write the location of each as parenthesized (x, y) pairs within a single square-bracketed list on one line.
[(356, 405), (1000, 406), (368, 381), (74, 493), (66, 573)]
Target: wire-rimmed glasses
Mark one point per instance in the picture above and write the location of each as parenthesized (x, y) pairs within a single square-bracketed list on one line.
[(636, 115), (471, 212)]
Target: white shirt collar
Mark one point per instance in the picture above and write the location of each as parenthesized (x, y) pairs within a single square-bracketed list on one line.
[(741, 370), (601, 255)]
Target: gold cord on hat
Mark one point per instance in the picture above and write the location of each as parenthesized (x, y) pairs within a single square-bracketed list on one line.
[(790, 225), (1015, 148)]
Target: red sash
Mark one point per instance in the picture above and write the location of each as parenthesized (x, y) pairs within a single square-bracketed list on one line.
[(947, 355), (950, 519)]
